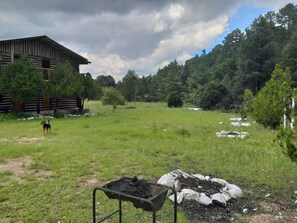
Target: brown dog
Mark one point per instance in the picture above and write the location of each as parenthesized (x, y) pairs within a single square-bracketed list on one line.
[(46, 126)]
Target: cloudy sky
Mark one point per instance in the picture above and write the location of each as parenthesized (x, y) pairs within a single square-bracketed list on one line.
[(140, 35)]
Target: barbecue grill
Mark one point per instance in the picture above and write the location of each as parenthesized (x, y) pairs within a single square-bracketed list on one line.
[(147, 196)]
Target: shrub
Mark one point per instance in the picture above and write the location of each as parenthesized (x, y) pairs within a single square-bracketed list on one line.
[(113, 97), (269, 104), (288, 140), (58, 114), (215, 95), (174, 100)]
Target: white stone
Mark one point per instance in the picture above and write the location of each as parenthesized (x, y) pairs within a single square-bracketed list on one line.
[(219, 197), (245, 210), (180, 197), (233, 190), (181, 173), (177, 185), (199, 176), (219, 181), (190, 194), (204, 199), (187, 194), (167, 179)]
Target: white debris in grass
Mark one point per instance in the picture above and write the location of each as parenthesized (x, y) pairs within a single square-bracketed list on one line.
[(235, 119), (240, 123), (232, 134), (227, 191), (195, 109)]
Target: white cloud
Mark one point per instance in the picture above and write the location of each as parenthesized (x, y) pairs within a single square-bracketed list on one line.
[(175, 11), (110, 64), (275, 4), (116, 36)]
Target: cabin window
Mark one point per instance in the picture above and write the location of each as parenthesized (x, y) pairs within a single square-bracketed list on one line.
[(46, 63), (16, 57)]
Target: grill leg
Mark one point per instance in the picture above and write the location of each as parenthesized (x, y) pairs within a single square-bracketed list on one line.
[(94, 206), (154, 216), (120, 210)]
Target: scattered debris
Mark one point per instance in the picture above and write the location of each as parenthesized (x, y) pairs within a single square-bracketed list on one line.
[(51, 117), (195, 109), (240, 123), (235, 119), (232, 134)]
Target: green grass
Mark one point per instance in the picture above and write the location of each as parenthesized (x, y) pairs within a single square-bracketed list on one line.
[(148, 142)]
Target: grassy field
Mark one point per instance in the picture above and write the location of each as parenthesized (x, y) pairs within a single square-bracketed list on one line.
[(51, 178)]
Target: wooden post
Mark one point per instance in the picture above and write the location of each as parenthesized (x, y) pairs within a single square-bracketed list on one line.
[(292, 121), (12, 52)]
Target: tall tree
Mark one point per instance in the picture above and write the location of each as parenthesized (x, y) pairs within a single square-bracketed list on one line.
[(289, 56), (85, 88), (106, 81), (62, 82), (273, 99), (258, 55), (129, 85)]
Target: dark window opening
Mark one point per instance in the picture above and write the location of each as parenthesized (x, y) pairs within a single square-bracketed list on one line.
[(16, 57), (46, 63)]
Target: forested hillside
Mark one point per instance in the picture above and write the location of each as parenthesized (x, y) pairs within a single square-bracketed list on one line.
[(244, 60)]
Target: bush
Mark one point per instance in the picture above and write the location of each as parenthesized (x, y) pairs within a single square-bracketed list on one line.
[(269, 104), (14, 115), (113, 97), (288, 140), (174, 100), (58, 114), (215, 95)]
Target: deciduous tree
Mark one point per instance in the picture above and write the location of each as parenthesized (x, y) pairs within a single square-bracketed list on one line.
[(21, 81)]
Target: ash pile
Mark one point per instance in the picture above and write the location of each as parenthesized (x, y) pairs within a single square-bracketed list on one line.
[(204, 198)]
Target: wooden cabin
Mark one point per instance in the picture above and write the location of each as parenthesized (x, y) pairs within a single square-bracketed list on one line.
[(45, 53)]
